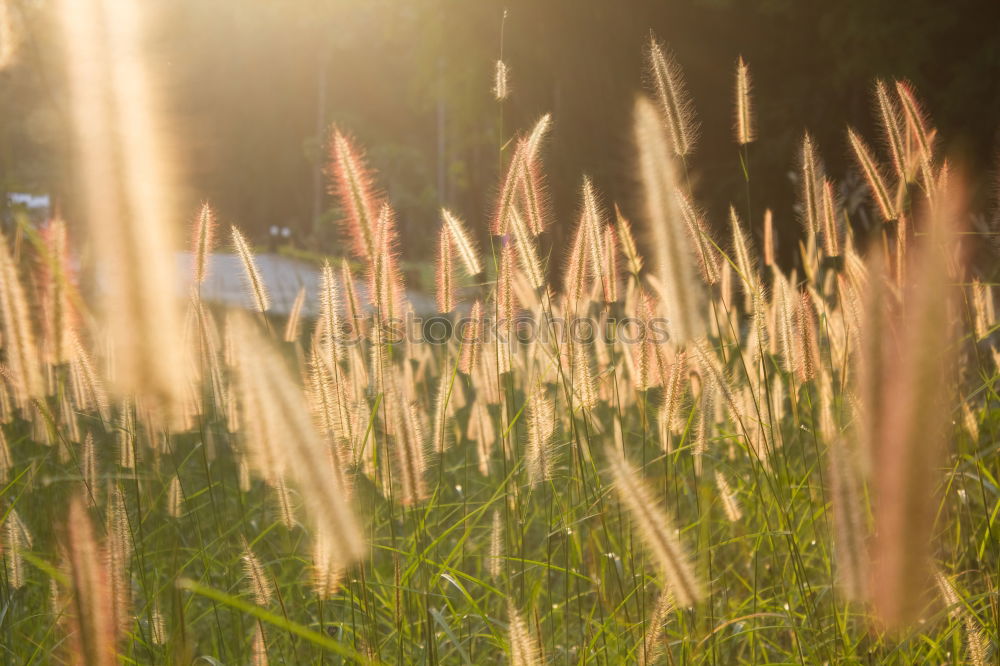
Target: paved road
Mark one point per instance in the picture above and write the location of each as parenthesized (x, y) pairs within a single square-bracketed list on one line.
[(283, 277)]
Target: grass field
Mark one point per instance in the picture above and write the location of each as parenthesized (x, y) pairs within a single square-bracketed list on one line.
[(803, 470)]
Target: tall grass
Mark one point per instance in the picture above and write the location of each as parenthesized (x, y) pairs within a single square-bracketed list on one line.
[(804, 474)]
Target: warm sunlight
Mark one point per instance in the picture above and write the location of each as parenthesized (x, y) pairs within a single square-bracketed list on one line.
[(124, 171), (498, 332)]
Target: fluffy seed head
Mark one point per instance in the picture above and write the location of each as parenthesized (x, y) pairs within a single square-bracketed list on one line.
[(93, 622), (505, 280), (495, 558), (331, 339), (175, 498), (386, 281), (656, 530), (729, 502), (531, 183), (905, 371), (593, 224), (916, 119), (831, 232), (259, 648), (807, 356), (810, 184), (508, 192), (442, 411), (410, 451), (354, 312), (744, 125), (202, 242), (705, 252), (672, 97), (500, 86), (786, 305), (584, 382), (255, 283), (890, 121), (680, 292), (327, 570), (282, 441), (651, 644), (460, 238), (574, 279), (628, 246), (524, 650), (541, 428), (118, 553), (18, 337), (352, 183), (58, 291), (257, 582), (295, 316), (876, 183), (472, 339), (523, 185), (527, 251), (977, 641), (158, 626), (611, 271), (768, 238), (128, 186), (673, 393), (445, 291), (850, 531), (16, 538), (745, 264), (482, 431)]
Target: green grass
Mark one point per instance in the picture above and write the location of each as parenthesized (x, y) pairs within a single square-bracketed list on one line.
[(574, 565), (572, 562)]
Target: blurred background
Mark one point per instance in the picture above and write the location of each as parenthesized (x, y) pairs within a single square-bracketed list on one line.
[(253, 86)]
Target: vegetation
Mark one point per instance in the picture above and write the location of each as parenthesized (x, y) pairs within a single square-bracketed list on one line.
[(249, 113), (802, 471)]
